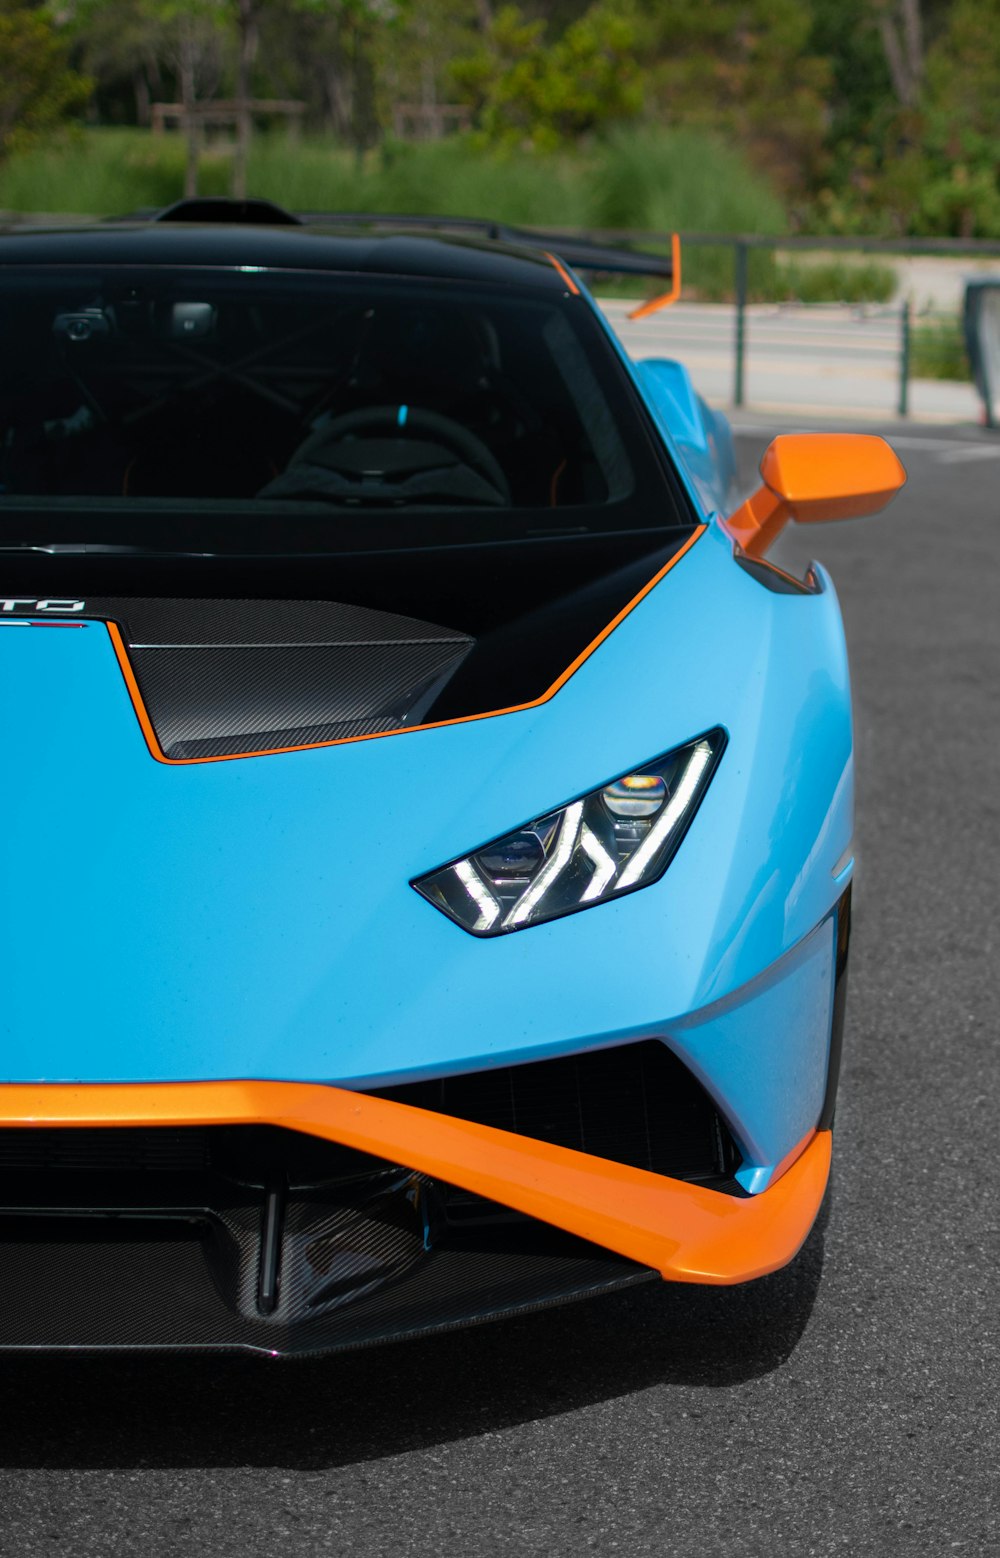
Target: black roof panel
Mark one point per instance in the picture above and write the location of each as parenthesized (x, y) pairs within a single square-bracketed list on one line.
[(279, 247)]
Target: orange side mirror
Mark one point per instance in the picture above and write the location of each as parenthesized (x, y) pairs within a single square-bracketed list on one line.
[(814, 476)]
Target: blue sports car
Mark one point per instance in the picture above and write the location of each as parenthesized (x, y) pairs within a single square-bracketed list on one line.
[(428, 810)]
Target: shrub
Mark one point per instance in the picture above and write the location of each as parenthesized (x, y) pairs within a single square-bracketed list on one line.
[(834, 281), (937, 349)]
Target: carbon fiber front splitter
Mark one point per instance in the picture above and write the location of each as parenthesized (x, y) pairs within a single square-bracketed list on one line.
[(107, 1286), (290, 1218)]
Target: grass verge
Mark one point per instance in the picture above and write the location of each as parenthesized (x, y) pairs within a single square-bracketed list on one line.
[(839, 281), (937, 349)]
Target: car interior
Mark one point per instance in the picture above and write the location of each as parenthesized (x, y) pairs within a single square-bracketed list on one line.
[(186, 387)]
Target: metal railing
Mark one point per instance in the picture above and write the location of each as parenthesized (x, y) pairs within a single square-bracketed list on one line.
[(742, 244), (916, 341)]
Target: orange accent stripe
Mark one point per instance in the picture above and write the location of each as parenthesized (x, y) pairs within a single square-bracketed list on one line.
[(654, 305), (571, 285), (152, 742), (686, 1232), (121, 654)]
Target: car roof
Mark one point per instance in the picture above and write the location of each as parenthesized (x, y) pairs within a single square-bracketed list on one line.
[(140, 243)]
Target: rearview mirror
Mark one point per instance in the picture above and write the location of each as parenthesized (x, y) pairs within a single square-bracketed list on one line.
[(816, 476)]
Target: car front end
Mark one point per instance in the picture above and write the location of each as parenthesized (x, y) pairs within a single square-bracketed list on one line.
[(366, 975)]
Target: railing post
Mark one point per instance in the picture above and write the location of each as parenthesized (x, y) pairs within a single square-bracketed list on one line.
[(904, 359), (740, 257)]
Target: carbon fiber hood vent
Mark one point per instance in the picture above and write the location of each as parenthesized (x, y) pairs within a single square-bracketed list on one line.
[(219, 677)]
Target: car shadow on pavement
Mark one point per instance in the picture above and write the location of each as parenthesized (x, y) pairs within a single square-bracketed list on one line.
[(100, 1413)]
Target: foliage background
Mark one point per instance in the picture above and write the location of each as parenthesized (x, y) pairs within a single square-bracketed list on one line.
[(837, 116)]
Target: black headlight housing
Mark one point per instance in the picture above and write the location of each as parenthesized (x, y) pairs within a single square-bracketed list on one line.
[(612, 841)]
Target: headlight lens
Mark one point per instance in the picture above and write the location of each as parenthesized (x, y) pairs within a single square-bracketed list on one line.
[(620, 837)]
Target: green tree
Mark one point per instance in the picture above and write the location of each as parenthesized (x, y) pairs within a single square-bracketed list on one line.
[(38, 89), (120, 46), (181, 41), (961, 194), (743, 69), (193, 43), (915, 115), (901, 32), (527, 90), (415, 62), (335, 53)]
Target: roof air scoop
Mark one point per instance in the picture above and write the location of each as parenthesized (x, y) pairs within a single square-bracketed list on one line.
[(213, 208)]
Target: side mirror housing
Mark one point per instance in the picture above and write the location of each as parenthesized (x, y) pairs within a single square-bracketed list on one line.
[(816, 476)]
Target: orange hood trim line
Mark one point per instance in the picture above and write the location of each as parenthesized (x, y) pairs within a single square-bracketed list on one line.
[(125, 665), (686, 1232)]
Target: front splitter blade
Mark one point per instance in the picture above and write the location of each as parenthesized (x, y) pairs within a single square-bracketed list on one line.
[(684, 1231)]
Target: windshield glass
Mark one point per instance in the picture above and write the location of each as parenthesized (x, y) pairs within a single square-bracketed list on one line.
[(268, 392)]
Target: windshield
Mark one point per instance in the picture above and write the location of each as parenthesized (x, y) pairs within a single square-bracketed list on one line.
[(275, 392)]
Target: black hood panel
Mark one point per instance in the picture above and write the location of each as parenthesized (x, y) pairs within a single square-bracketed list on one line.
[(243, 654), (219, 677)]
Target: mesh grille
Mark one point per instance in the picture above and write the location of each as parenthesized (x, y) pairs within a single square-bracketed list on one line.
[(634, 1104), (101, 1151)]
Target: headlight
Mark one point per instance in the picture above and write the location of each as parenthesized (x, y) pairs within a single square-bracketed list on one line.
[(620, 837)]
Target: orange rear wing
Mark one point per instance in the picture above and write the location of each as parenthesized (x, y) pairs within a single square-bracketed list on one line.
[(610, 252), (664, 299)]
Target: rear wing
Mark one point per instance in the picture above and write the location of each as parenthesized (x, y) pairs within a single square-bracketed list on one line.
[(613, 253)]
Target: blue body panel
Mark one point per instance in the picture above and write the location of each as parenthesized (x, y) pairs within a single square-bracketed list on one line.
[(701, 438), (254, 917)]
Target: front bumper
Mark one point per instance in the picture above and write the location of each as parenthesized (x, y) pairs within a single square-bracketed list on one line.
[(263, 1272)]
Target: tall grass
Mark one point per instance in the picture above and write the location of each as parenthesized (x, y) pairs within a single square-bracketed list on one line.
[(818, 280), (666, 179), (686, 179), (654, 179), (103, 172), (94, 173), (937, 348), (443, 178)]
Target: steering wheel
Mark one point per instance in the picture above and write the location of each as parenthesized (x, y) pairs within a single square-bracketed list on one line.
[(430, 424)]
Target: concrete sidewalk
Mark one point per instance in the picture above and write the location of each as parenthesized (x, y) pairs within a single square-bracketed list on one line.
[(821, 359)]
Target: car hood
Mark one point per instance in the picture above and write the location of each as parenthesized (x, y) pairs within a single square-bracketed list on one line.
[(254, 916)]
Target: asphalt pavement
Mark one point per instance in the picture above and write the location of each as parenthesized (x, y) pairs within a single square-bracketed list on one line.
[(848, 1405)]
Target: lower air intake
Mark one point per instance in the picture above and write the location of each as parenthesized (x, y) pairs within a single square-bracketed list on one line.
[(268, 1240), (635, 1104)]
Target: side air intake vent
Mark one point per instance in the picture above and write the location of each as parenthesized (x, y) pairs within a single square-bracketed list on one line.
[(634, 1104)]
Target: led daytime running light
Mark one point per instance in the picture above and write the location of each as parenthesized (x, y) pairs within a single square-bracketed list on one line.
[(489, 909), (668, 818), (587, 852), (553, 867)]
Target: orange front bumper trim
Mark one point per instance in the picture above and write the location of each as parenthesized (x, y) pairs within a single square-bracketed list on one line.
[(687, 1233)]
